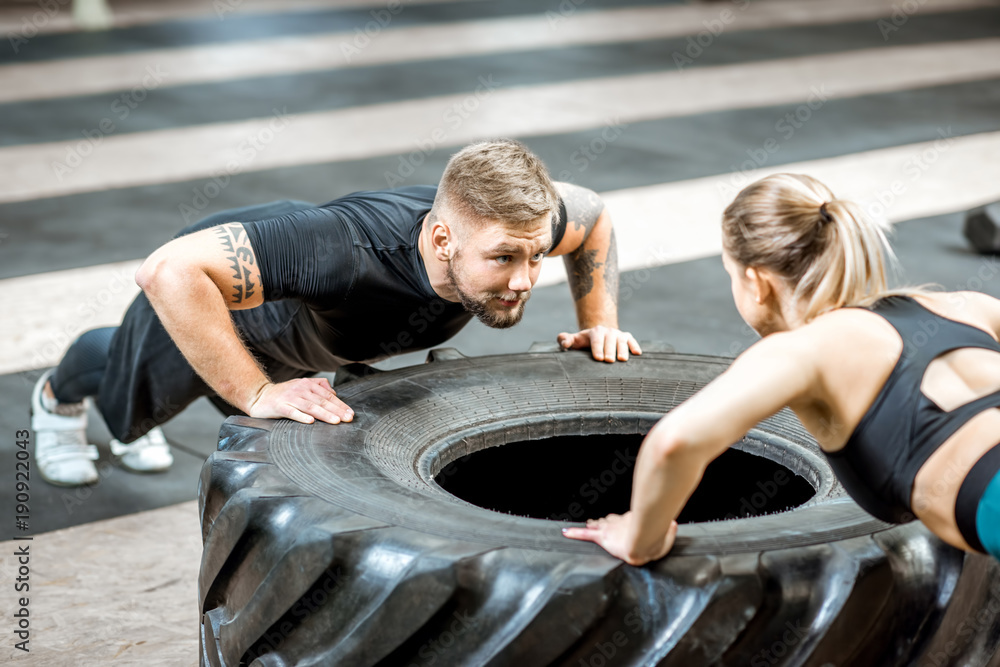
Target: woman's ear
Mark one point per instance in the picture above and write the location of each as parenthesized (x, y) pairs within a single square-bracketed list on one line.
[(764, 284), (760, 287)]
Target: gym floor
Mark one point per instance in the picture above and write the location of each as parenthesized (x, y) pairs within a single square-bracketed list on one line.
[(112, 140)]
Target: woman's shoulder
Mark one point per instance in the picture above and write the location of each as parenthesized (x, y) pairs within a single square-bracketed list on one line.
[(848, 321), (973, 308), (847, 338)]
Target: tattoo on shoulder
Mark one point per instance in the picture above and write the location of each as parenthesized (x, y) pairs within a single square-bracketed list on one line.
[(611, 270), (582, 264), (583, 207), (236, 245)]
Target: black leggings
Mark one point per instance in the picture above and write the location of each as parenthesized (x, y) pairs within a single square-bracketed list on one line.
[(79, 373)]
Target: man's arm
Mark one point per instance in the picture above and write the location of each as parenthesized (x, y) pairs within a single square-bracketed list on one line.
[(591, 257), (192, 283)]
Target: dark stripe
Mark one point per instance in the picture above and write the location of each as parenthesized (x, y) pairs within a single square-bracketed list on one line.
[(99, 227), (226, 27), (141, 110)]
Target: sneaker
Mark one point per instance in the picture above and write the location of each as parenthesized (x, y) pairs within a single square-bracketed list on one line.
[(62, 454), (150, 453)]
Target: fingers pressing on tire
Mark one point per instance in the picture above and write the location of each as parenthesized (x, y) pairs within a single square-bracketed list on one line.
[(304, 400)]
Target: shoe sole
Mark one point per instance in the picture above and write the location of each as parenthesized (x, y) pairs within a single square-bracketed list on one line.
[(121, 464), (66, 485)]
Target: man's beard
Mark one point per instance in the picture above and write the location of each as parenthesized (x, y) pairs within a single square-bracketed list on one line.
[(483, 307)]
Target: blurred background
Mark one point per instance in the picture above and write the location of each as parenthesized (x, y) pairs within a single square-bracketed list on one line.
[(122, 123)]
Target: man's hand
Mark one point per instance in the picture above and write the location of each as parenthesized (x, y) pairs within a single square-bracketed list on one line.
[(605, 343), (304, 400), (614, 533)]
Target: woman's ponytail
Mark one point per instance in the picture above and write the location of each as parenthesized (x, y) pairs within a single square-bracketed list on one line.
[(827, 249)]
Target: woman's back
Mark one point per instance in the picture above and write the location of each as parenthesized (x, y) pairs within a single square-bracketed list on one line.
[(864, 423)]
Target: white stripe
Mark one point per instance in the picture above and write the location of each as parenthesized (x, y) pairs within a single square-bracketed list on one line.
[(286, 55), (207, 151), (54, 16), (655, 225), (53, 308)]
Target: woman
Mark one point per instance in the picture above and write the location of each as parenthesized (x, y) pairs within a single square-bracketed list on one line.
[(900, 390)]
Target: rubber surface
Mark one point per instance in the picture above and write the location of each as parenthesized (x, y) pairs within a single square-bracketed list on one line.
[(332, 545)]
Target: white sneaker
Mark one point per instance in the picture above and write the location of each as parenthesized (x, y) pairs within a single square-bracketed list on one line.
[(62, 453), (150, 453)]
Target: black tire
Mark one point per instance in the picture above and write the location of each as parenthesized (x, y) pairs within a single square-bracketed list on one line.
[(333, 545)]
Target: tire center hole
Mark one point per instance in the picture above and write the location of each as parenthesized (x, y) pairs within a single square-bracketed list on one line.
[(573, 478)]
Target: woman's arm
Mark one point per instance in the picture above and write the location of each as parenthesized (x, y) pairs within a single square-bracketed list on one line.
[(779, 370)]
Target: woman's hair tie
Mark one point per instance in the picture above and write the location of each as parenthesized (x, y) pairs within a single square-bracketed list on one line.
[(825, 214)]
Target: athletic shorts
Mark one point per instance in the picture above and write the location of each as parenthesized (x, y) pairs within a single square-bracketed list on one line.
[(977, 508)]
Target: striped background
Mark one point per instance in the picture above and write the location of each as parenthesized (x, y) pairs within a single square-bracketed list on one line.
[(112, 141)]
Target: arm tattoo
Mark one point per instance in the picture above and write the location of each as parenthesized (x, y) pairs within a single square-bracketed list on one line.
[(583, 208), (611, 270), (581, 265), (236, 245)]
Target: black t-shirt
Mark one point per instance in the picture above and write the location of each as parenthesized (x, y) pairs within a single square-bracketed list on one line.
[(345, 282)]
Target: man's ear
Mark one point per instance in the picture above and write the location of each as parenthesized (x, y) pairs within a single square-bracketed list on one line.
[(443, 240)]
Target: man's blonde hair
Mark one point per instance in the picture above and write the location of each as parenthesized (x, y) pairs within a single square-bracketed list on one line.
[(498, 179)]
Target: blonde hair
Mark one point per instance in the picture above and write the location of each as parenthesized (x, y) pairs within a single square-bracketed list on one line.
[(826, 248), (498, 179)]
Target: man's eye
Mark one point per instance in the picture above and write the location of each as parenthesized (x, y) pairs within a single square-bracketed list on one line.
[(537, 257), (503, 259)]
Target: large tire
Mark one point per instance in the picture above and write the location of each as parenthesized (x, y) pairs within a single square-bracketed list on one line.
[(333, 545)]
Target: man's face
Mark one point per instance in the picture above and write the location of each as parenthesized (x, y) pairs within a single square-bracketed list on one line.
[(495, 268)]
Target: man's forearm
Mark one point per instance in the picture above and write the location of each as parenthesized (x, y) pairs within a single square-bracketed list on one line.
[(195, 315), (592, 270)]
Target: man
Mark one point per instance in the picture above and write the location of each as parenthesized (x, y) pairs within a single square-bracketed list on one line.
[(245, 306)]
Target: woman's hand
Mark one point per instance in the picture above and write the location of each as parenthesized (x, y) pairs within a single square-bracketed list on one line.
[(615, 534)]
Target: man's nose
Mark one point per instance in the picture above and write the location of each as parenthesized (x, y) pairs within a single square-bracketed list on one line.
[(520, 280)]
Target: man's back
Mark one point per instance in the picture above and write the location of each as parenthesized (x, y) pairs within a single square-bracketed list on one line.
[(345, 282)]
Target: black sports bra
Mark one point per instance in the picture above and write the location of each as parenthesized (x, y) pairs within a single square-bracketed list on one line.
[(902, 428)]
